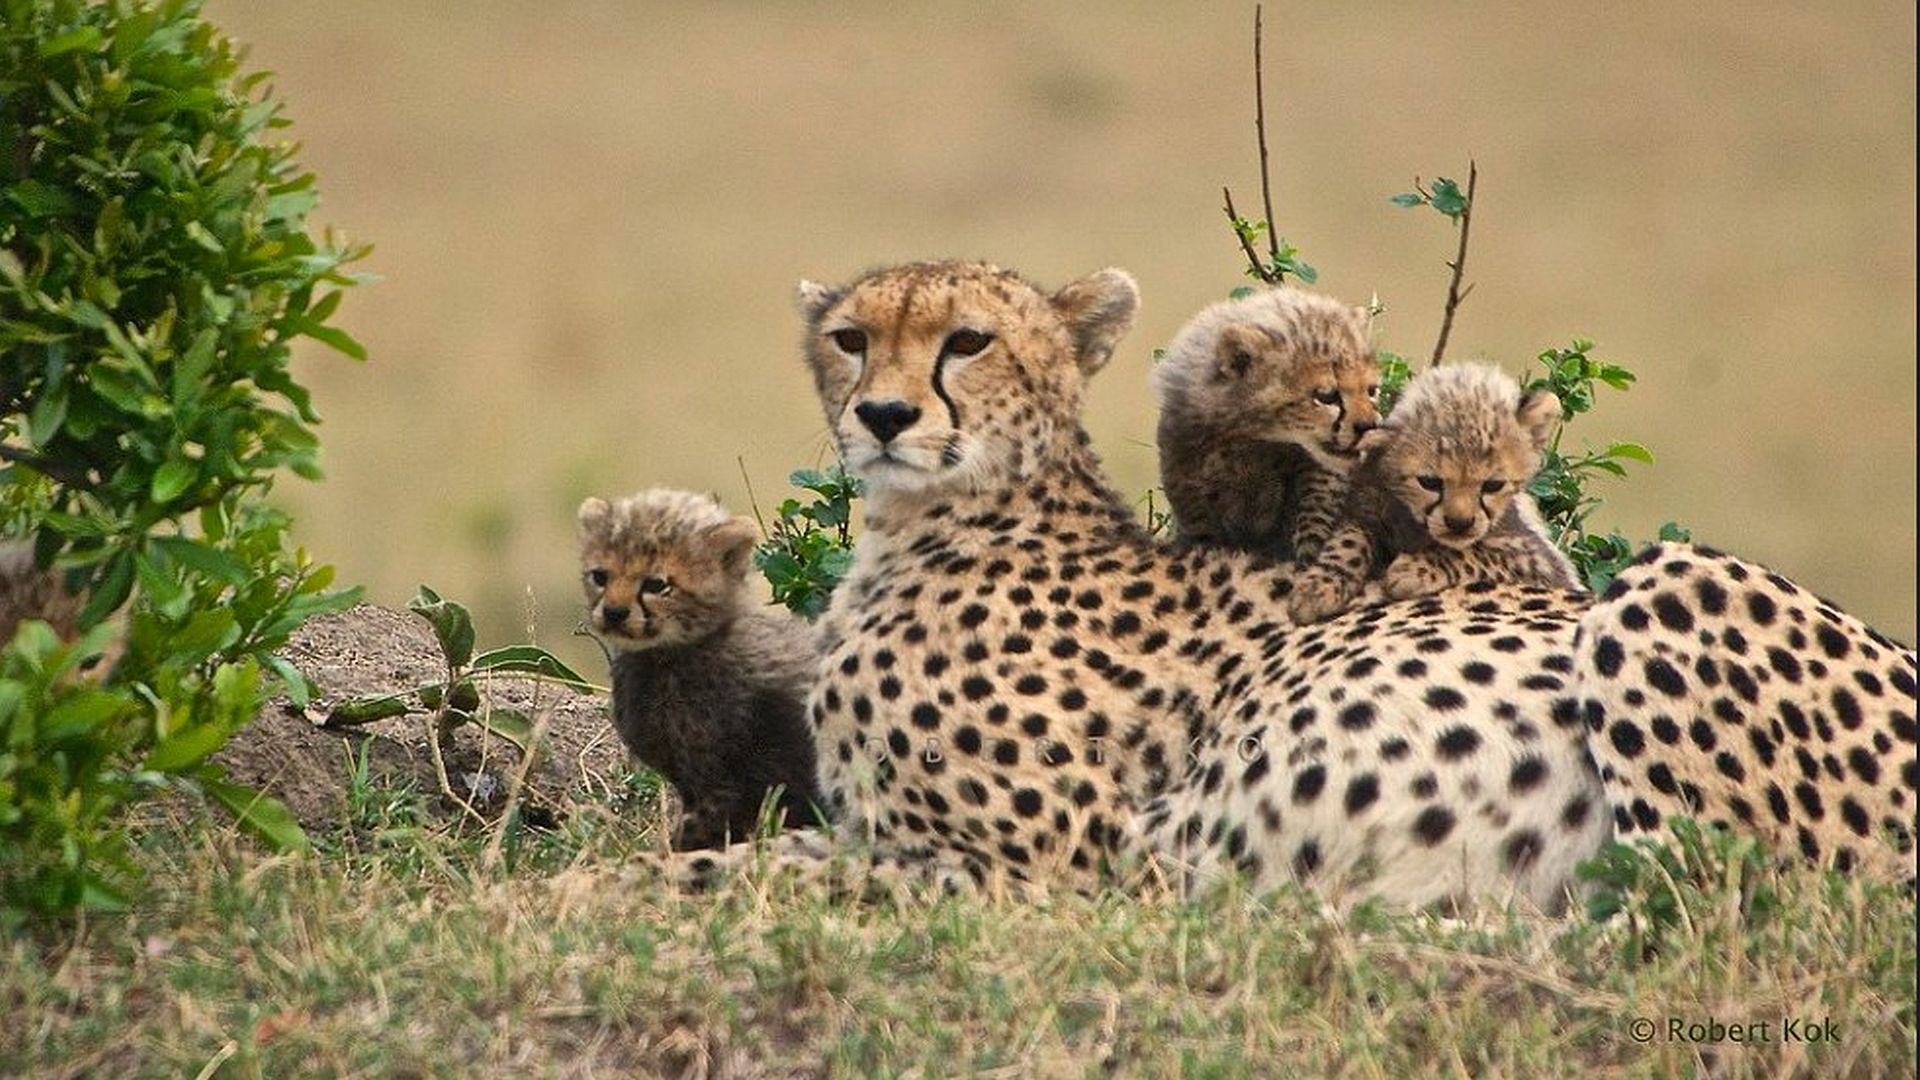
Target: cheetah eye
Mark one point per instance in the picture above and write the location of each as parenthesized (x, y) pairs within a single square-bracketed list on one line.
[(655, 586), (966, 343), (1327, 397), (598, 577), (1492, 486), (1431, 483), (1373, 391), (850, 340)]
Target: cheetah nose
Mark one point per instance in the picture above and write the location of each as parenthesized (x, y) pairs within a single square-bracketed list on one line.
[(886, 419), (1459, 524), (614, 614), (1361, 427)]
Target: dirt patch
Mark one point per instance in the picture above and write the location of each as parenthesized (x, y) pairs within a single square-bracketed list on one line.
[(369, 650)]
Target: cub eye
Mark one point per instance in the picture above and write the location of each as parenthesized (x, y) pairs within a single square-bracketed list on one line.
[(1327, 397), (850, 340), (966, 343), (1431, 483), (1373, 391), (1492, 486), (598, 577), (656, 586)]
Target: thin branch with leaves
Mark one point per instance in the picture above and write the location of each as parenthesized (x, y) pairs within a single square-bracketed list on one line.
[(1282, 259), (1448, 199)]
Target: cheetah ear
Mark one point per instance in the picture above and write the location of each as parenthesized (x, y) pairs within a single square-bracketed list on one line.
[(815, 298), (1099, 310), (1537, 414), (1239, 344), (593, 516), (734, 541)]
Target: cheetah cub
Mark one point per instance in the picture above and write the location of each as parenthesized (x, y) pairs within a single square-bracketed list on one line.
[(1263, 402), (709, 687), (1439, 497)]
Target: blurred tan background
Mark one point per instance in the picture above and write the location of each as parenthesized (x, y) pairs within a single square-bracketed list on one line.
[(589, 218)]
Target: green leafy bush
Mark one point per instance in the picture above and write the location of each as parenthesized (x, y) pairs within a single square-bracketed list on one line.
[(155, 271), (810, 546)]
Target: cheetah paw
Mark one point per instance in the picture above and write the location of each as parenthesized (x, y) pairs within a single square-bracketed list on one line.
[(1317, 597), (1407, 579)]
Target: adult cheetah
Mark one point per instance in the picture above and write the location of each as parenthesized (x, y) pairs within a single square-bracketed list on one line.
[(1014, 671)]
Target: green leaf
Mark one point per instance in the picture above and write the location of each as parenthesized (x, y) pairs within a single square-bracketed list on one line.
[(337, 338), (1448, 198), (39, 200), (1409, 199), (1632, 451), (260, 814), (359, 711), (530, 660), (186, 748), (514, 726), (85, 37), (172, 479), (79, 714), (202, 558), (451, 623), (49, 413)]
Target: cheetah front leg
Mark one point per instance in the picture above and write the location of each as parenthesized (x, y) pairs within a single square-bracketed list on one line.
[(1500, 559), (1335, 579), (1321, 494)]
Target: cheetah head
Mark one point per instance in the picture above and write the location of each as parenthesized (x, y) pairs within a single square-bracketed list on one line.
[(662, 567), (1461, 445), (938, 377), (1278, 365)]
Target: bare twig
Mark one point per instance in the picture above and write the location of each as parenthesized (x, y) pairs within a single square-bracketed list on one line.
[(1260, 127), (1455, 294), (1253, 257)]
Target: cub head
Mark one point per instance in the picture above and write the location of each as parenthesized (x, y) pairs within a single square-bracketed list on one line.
[(949, 376), (1461, 445), (663, 567), (1280, 365)]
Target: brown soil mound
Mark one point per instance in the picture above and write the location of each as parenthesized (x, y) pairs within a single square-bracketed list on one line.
[(368, 651)]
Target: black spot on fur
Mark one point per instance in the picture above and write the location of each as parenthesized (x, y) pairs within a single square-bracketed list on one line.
[(1433, 825), (1672, 613), (1362, 792), (1608, 656), (1665, 677), (1456, 743), (1307, 784), (1527, 774)]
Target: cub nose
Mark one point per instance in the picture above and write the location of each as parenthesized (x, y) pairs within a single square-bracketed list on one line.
[(886, 419), (1459, 524), (614, 614), (1361, 427)]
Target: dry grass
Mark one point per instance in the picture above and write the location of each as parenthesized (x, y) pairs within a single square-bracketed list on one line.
[(395, 953), (590, 216)]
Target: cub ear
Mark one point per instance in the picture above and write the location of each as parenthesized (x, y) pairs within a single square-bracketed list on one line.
[(814, 299), (1538, 411), (1233, 355), (735, 541), (1098, 309), (593, 516)]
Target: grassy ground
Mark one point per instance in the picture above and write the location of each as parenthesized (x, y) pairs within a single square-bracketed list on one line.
[(590, 216), (404, 949)]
